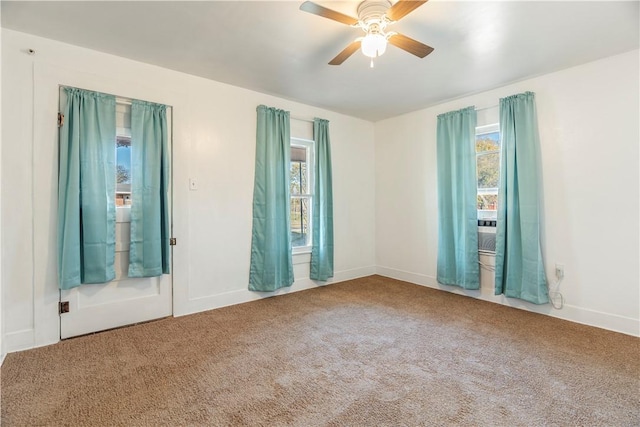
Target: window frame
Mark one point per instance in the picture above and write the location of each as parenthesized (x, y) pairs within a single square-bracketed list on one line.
[(309, 145), (484, 214)]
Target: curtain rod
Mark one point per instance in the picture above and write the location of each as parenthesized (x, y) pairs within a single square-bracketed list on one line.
[(301, 119), (119, 98), (487, 108)]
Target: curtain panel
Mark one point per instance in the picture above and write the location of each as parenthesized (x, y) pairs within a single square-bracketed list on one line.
[(86, 189), (457, 192), (519, 266), (322, 217), (149, 253), (271, 256)]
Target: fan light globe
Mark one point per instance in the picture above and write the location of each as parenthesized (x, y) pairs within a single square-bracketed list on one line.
[(373, 45)]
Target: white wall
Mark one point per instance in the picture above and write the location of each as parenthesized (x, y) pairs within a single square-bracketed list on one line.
[(385, 204), (214, 142), (2, 352), (589, 130)]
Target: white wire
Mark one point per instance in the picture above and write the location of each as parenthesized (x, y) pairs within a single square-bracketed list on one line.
[(487, 266), (555, 294)]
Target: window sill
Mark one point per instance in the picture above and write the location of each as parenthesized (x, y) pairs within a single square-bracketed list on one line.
[(487, 253), (302, 256)]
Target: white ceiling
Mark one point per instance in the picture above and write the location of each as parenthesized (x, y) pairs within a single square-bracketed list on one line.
[(273, 47)]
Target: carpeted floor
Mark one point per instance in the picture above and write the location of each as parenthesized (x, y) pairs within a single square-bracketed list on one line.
[(372, 351)]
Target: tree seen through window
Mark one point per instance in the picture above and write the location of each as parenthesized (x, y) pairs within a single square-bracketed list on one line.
[(488, 171)]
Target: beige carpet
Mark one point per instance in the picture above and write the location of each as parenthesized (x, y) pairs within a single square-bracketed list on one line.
[(371, 351)]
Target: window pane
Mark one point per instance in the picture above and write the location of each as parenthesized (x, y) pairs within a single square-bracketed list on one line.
[(488, 202), (300, 221), (488, 166), (488, 142), (123, 171), (298, 178), (298, 171), (488, 170)]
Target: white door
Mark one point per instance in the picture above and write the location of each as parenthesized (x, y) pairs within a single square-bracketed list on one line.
[(123, 301)]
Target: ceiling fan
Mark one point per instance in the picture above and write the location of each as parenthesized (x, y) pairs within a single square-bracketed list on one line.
[(374, 16)]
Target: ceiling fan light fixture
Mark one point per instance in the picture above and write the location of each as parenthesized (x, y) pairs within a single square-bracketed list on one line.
[(374, 16), (373, 45)]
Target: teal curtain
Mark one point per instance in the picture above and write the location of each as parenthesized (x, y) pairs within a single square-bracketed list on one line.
[(519, 268), (322, 217), (457, 192), (271, 261), (149, 251), (86, 189)]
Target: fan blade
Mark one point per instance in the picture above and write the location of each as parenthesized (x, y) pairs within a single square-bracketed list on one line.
[(410, 45), (316, 9), (347, 52), (403, 8)]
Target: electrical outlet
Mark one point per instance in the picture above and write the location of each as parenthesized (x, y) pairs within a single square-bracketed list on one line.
[(559, 271)]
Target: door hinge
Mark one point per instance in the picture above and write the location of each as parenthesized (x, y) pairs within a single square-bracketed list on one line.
[(60, 120), (64, 307), (172, 241)]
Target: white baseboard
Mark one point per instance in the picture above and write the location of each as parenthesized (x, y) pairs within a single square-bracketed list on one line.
[(585, 316), (240, 296)]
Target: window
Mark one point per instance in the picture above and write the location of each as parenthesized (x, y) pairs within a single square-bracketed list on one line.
[(488, 170), (123, 154), (123, 170), (300, 186)]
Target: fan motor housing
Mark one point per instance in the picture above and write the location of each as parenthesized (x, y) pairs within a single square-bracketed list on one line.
[(373, 10)]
